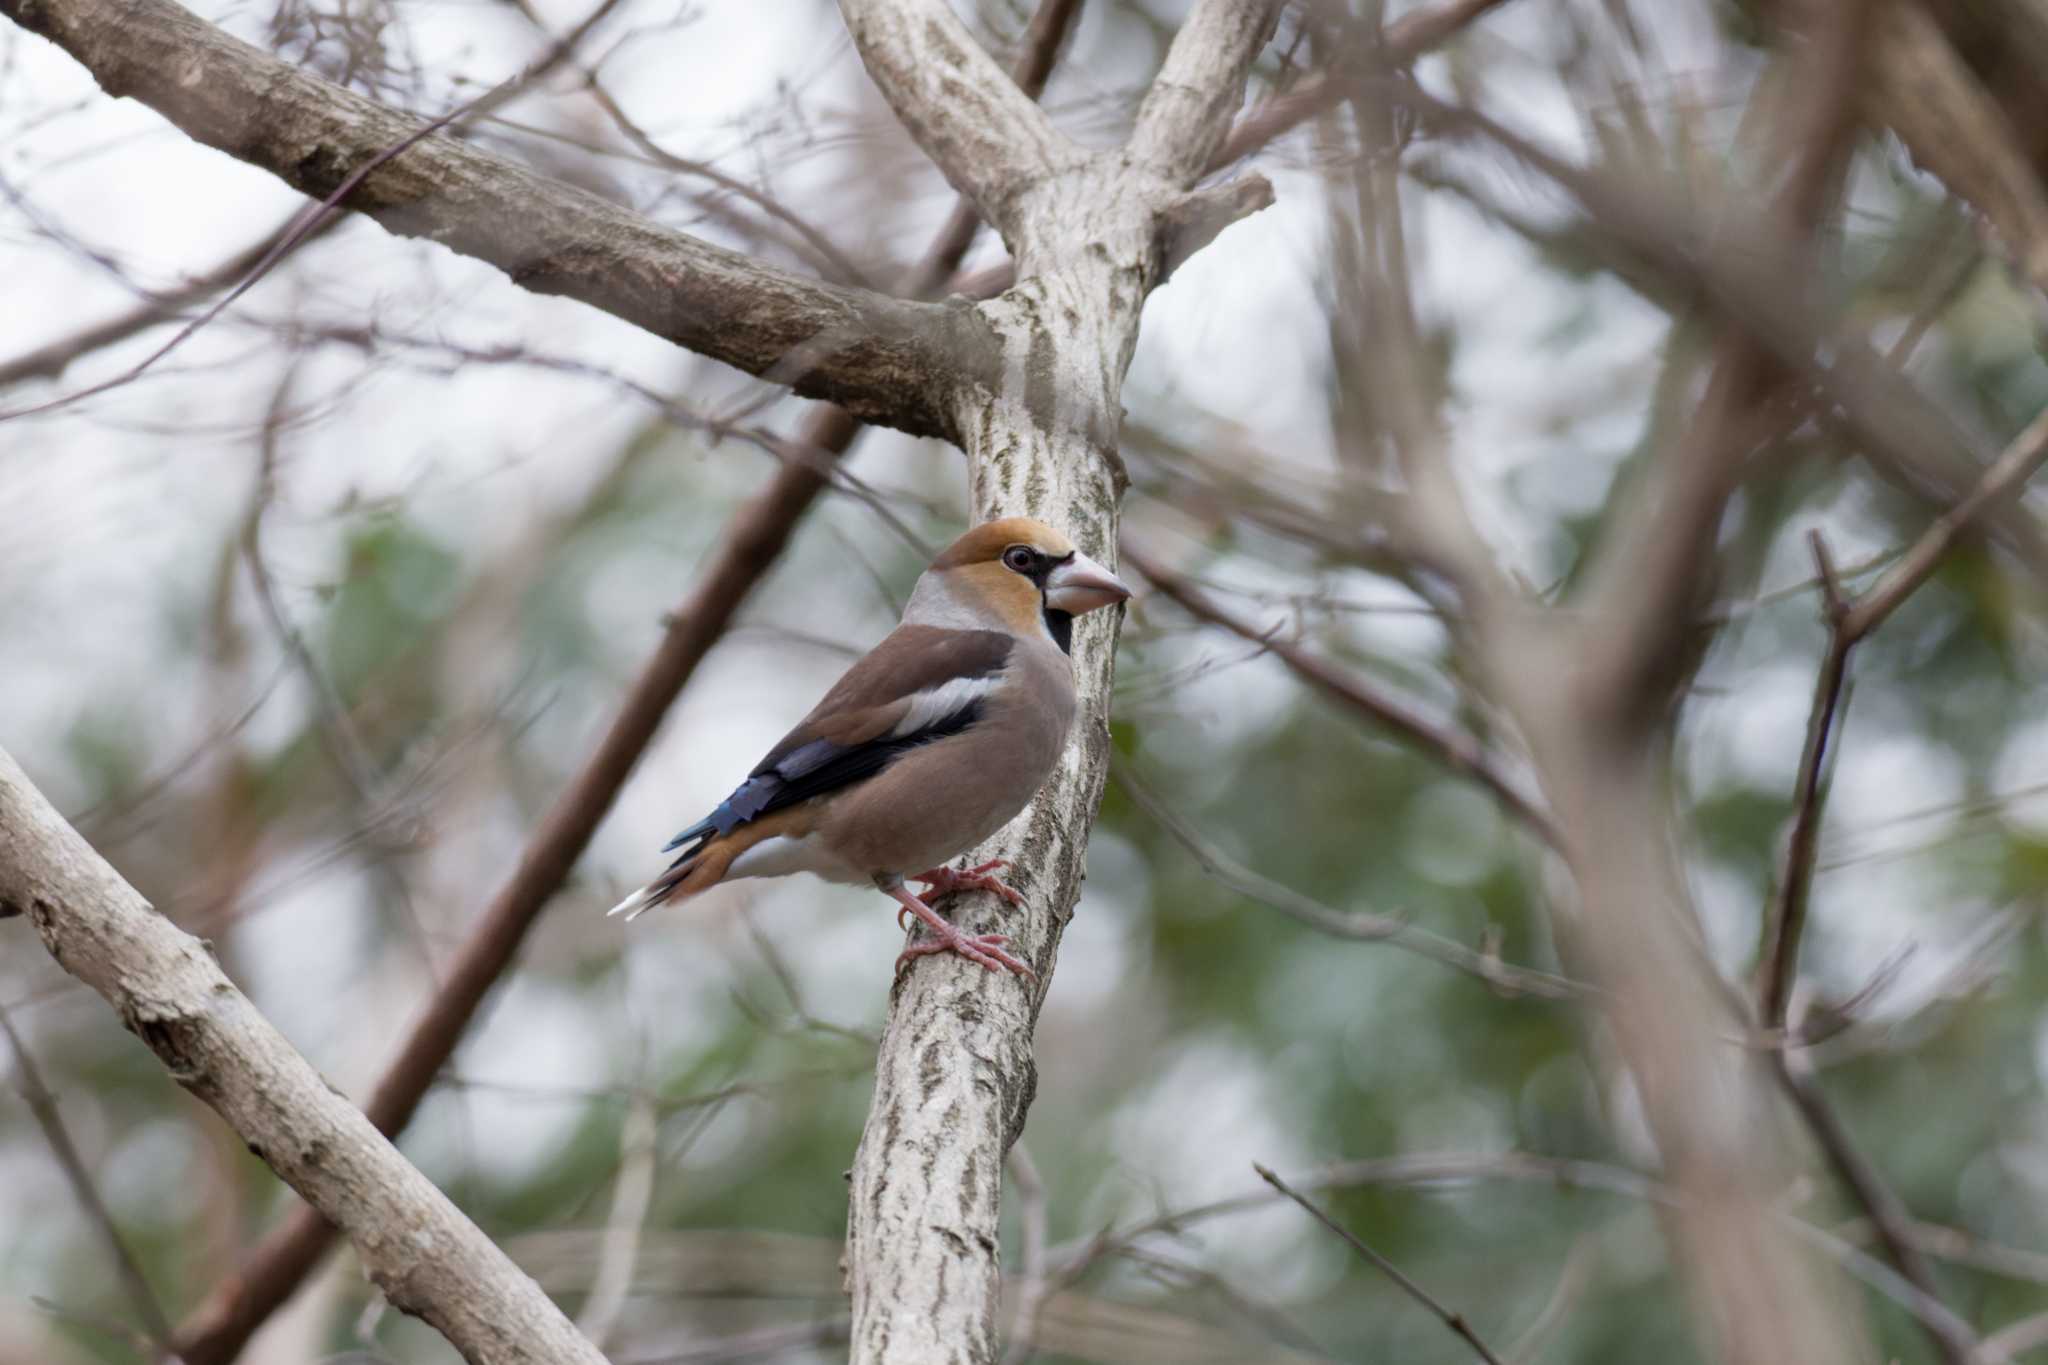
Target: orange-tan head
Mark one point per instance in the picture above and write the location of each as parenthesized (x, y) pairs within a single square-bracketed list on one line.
[(1018, 575)]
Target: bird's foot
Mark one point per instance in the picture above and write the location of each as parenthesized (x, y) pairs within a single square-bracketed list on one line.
[(942, 880), (987, 950)]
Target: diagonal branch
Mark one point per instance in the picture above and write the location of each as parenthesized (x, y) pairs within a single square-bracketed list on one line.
[(1187, 111), (986, 135), (1453, 1320), (1850, 620), (1453, 748), (43, 1105), (417, 1246), (1362, 926), (885, 360), (217, 1330)]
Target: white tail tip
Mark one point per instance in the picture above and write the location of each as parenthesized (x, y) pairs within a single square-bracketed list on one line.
[(634, 906)]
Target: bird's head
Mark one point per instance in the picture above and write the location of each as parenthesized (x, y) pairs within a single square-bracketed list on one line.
[(1018, 575)]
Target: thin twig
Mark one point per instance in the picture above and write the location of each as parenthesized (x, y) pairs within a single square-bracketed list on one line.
[(1455, 1321), (632, 1192), (1454, 748), (1359, 926), (313, 216), (50, 360), (43, 1105), (1785, 920), (1033, 1288)]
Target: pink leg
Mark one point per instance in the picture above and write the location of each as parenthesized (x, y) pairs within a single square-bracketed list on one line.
[(941, 880), (986, 949)]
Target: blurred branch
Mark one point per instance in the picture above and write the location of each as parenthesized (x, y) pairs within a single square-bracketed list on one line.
[(216, 1330), (43, 1105), (1957, 130), (632, 1192), (50, 360), (1032, 1284), (1407, 38), (1450, 1169), (1749, 278), (1592, 685), (1454, 748), (427, 1258), (826, 257), (1889, 1216), (1365, 927), (884, 359), (1849, 621), (331, 723), (1454, 1321)]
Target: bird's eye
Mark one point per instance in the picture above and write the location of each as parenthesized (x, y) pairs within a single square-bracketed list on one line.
[(1020, 557)]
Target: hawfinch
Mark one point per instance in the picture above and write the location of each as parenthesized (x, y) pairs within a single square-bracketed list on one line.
[(928, 745)]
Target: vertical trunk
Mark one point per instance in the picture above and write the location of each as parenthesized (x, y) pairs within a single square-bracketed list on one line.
[(955, 1075)]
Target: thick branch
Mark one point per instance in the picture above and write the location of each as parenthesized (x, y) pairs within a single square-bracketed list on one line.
[(985, 134), (1186, 114), (954, 1077), (427, 1258), (883, 359)]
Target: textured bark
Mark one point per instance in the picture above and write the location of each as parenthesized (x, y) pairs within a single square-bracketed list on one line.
[(1093, 233), (418, 1248), (884, 360)]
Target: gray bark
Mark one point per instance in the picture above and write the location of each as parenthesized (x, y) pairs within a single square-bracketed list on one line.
[(1093, 233), (418, 1248)]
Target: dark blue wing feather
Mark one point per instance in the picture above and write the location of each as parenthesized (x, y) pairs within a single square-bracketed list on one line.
[(812, 769)]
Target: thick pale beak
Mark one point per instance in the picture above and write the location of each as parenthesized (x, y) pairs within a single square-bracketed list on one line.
[(1080, 584)]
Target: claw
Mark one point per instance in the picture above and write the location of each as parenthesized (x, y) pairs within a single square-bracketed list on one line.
[(985, 950), (941, 880)]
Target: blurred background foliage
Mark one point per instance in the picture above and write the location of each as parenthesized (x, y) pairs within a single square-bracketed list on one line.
[(472, 527)]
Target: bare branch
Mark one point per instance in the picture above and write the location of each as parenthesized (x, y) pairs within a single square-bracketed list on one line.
[(217, 1329), (2003, 479), (1359, 926), (1453, 748), (43, 1105), (1849, 621), (427, 1258), (1187, 111), (49, 361), (1407, 38), (986, 136), (1785, 919), (879, 357), (1455, 1321)]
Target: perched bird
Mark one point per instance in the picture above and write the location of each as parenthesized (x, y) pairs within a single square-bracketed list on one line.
[(928, 745)]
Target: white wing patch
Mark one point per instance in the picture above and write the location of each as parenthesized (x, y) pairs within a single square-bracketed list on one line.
[(929, 707)]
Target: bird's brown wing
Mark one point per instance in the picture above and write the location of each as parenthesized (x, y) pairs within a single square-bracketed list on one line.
[(919, 684)]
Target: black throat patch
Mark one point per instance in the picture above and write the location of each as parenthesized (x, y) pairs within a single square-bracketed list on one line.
[(1060, 624)]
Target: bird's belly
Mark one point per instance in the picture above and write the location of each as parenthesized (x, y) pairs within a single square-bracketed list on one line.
[(936, 802), (783, 854)]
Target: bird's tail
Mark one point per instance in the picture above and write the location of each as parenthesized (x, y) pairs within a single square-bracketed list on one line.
[(698, 870)]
